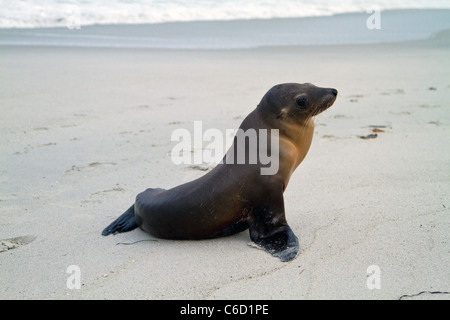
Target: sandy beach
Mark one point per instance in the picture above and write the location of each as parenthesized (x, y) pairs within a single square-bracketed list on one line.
[(83, 130)]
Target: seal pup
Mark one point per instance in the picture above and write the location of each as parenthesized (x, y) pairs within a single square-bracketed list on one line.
[(234, 197)]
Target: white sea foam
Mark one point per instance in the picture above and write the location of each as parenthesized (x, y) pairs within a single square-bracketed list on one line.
[(54, 13)]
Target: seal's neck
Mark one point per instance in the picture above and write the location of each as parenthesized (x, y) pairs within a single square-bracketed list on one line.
[(299, 133), (294, 139)]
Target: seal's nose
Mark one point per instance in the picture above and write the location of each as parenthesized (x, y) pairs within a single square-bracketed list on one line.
[(334, 92)]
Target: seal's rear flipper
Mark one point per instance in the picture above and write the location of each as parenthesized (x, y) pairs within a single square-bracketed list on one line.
[(126, 222), (282, 243)]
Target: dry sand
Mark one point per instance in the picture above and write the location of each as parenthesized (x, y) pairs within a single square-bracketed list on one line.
[(83, 130)]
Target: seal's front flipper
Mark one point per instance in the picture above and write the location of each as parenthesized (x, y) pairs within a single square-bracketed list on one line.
[(282, 243), (268, 225), (126, 222)]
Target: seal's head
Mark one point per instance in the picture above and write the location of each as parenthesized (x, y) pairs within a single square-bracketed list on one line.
[(297, 102)]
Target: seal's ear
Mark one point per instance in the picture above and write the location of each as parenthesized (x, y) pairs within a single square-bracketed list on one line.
[(281, 114)]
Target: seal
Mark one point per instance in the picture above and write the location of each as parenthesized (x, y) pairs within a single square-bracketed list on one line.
[(235, 196)]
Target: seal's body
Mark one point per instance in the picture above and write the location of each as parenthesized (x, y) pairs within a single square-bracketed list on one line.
[(235, 196)]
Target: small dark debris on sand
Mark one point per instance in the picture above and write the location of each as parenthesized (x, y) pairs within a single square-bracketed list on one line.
[(369, 136)]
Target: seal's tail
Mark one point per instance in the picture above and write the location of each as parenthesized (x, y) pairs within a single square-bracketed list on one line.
[(126, 222)]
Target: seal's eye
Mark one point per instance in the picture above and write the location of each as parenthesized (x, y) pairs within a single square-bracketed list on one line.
[(302, 101)]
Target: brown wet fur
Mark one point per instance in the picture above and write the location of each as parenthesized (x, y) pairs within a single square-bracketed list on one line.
[(233, 197)]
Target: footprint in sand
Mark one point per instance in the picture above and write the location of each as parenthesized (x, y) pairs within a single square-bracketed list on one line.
[(355, 97), (427, 106), (13, 243), (333, 138), (401, 113), (117, 188), (89, 165), (40, 129), (175, 123), (342, 116), (389, 92)]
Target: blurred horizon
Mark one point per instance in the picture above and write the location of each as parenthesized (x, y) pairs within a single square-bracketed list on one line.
[(352, 28), (58, 13)]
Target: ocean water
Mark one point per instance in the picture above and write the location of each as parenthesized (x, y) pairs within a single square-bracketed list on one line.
[(59, 13), (216, 24)]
